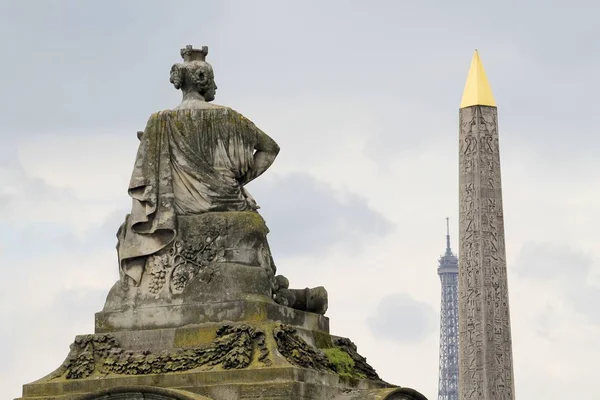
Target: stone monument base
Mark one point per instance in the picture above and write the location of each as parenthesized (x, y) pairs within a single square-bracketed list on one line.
[(221, 361), (289, 383), (254, 308)]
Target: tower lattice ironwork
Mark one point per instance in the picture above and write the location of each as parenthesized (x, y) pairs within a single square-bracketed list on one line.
[(448, 272)]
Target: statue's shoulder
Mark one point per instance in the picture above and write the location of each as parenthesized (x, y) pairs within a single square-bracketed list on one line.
[(198, 105), (229, 113), (206, 108), (238, 115)]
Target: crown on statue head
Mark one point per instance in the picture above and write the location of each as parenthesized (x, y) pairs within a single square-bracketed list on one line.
[(190, 54)]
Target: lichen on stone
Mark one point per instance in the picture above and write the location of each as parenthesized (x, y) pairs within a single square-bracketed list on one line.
[(233, 348), (361, 368), (322, 340), (298, 352), (340, 357)]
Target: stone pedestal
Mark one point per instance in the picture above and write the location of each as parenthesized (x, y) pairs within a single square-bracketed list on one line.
[(258, 359), (202, 323), (199, 312)]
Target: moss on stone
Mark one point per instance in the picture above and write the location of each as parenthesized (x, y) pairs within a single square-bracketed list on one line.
[(341, 361), (258, 313), (322, 340), (247, 221), (193, 337)]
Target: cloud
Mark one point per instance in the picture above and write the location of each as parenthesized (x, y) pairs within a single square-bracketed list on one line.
[(566, 270), (29, 199), (364, 106), (550, 262), (306, 216), (54, 280), (400, 318)]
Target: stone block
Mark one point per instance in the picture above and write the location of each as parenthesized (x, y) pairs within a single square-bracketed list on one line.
[(253, 308), (261, 359)]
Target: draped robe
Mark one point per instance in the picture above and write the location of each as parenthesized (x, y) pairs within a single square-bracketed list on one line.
[(188, 162)]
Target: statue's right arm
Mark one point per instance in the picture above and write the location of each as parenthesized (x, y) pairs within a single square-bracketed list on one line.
[(266, 151)]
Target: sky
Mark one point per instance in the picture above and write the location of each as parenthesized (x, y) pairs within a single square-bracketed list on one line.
[(363, 99)]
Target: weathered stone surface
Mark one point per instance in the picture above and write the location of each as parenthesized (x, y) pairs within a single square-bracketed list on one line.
[(192, 160), (280, 391), (361, 367), (229, 346), (218, 256), (337, 355), (275, 384), (298, 352), (199, 311), (142, 393), (485, 346), (233, 348), (311, 300), (195, 78), (381, 394), (223, 362), (249, 309)]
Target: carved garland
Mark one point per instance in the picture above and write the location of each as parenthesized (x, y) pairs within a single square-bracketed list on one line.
[(299, 353), (233, 348)]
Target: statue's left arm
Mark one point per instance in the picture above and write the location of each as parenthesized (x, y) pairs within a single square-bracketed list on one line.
[(266, 151)]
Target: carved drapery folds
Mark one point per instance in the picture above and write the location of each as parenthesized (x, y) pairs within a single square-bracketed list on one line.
[(193, 161), (188, 162)]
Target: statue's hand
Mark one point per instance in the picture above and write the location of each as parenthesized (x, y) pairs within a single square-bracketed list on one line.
[(251, 202)]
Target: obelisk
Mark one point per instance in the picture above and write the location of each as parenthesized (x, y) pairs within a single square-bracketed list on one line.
[(485, 345)]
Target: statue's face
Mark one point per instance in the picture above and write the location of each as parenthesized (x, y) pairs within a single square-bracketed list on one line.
[(206, 85), (210, 92)]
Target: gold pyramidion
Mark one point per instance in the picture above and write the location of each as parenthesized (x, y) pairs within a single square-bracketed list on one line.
[(477, 89)]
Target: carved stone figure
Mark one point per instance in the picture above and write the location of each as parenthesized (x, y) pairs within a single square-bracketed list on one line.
[(312, 300), (194, 159), (193, 234), (198, 312)]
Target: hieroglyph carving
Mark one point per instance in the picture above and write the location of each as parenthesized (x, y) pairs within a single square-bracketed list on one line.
[(485, 347)]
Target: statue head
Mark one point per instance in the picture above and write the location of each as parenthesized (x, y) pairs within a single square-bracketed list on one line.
[(194, 76)]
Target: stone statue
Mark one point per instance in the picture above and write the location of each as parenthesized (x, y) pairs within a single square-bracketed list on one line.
[(191, 210), (192, 160), (199, 312)]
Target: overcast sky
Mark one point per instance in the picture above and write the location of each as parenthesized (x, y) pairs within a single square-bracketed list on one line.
[(363, 99)]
